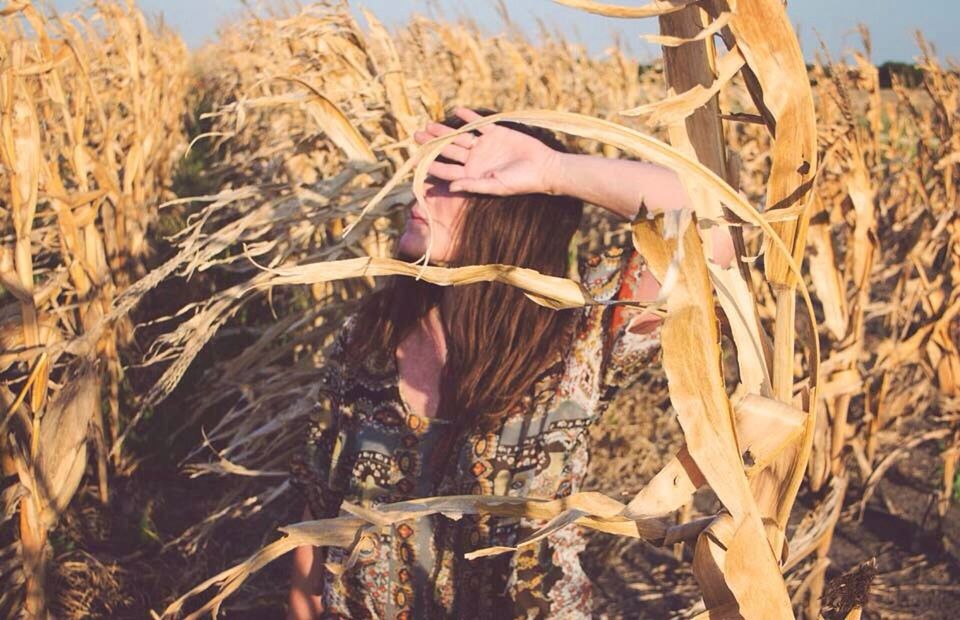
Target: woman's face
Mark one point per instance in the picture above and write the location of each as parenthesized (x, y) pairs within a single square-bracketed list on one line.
[(445, 209)]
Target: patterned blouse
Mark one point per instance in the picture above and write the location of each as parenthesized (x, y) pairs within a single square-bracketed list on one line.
[(366, 446)]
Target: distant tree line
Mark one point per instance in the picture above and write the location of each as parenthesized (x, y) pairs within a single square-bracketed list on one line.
[(910, 75)]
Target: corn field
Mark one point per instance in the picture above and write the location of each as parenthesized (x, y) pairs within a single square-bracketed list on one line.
[(184, 232)]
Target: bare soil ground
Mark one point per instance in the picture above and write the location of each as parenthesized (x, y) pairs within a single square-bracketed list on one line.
[(117, 561), (917, 552), (112, 561)]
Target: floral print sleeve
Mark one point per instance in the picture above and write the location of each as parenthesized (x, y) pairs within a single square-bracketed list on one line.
[(628, 349)]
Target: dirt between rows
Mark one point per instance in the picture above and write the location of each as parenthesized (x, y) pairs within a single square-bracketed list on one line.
[(916, 552), (111, 562)]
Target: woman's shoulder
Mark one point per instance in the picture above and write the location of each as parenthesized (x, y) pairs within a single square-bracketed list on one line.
[(349, 354), (603, 272), (610, 275), (333, 357), (343, 336)]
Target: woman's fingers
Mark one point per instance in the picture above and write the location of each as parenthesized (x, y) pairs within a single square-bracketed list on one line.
[(422, 137), (470, 116), (486, 185), (432, 133), (456, 153), (451, 151), (447, 172), (463, 141), (437, 130)]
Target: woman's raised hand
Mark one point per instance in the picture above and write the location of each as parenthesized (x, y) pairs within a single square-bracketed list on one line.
[(500, 161)]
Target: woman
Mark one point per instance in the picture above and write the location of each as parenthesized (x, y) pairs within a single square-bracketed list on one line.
[(475, 389)]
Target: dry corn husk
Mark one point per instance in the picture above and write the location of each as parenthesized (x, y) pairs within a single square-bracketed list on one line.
[(292, 177), (89, 125)]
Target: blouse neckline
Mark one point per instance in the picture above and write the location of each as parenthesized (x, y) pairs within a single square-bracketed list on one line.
[(425, 421)]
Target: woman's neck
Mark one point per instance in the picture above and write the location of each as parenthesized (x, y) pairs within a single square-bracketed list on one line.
[(432, 326), (420, 359)]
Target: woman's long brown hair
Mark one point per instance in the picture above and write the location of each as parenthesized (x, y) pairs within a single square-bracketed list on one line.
[(498, 341)]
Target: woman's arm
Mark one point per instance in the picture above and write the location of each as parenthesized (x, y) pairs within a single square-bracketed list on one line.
[(622, 185), (504, 162), (591, 179), (305, 600)]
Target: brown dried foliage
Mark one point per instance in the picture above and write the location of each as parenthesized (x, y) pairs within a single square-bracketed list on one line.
[(309, 136)]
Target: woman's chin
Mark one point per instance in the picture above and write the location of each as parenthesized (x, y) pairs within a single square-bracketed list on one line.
[(410, 248)]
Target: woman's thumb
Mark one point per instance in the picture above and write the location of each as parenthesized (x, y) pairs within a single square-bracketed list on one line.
[(477, 185), (464, 185)]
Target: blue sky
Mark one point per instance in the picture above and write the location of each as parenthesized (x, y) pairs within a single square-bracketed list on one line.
[(892, 22)]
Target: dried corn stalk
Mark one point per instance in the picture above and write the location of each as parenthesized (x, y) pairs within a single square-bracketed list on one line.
[(89, 126), (299, 159)]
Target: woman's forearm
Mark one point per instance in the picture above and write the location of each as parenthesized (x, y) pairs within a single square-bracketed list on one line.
[(304, 600), (618, 185), (621, 186)]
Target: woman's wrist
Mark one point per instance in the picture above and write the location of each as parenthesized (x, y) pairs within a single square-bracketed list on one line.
[(553, 173)]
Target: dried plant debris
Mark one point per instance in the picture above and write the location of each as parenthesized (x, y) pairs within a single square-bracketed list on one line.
[(849, 590), (838, 193)]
